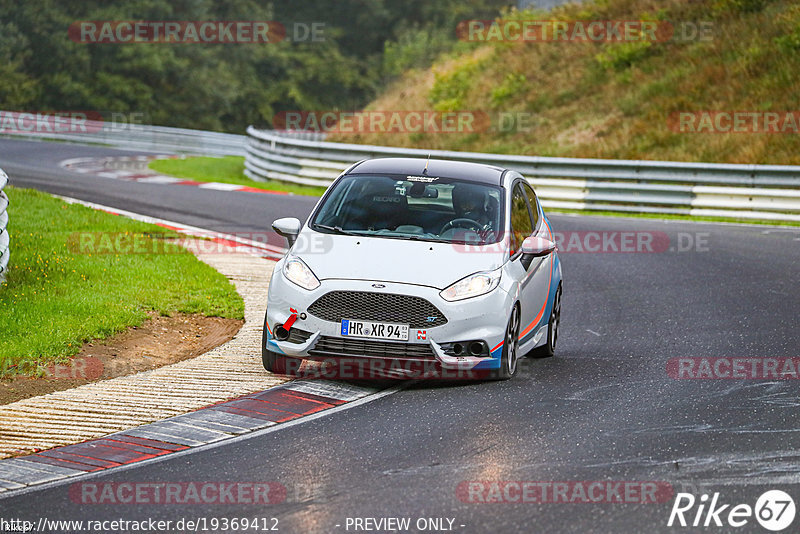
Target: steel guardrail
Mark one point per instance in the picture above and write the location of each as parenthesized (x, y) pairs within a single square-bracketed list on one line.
[(766, 192), (5, 246), (130, 136)]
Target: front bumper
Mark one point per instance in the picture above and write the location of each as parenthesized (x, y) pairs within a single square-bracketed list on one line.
[(480, 318)]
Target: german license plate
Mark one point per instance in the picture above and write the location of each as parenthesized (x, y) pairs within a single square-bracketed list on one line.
[(367, 329)]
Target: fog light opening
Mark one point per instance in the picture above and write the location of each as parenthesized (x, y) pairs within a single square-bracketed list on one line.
[(458, 349), (476, 348), (281, 334)]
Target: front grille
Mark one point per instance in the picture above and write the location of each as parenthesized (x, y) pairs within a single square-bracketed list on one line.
[(378, 307), (335, 346)]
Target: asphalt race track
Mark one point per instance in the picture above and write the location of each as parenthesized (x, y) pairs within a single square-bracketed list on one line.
[(33, 164), (603, 409)]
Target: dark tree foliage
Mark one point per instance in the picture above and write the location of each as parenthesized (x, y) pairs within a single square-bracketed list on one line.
[(212, 86)]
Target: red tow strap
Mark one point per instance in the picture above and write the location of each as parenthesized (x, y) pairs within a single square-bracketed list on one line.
[(292, 318)]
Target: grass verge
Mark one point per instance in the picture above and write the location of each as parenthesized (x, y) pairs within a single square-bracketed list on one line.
[(58, 296), (226, 170)]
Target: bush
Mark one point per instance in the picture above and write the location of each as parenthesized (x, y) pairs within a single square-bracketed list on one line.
[(619, 56), (450, 89), (513, 85)]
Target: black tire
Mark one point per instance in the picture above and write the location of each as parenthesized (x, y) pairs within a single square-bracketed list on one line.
[(274, 362), (549, 349), (509, 361)]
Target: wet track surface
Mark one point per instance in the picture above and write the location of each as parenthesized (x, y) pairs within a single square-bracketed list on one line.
[(603, 409)]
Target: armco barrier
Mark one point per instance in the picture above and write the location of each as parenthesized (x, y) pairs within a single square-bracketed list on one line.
[(5, 252), (767, 192), (129, 136)]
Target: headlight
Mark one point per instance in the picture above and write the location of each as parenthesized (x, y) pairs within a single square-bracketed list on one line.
[(298, 272), (472, 286)]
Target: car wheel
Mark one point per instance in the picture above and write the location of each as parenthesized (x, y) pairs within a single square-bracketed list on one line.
[(549, 348), (274, 362), (278, 363), (510, 355)]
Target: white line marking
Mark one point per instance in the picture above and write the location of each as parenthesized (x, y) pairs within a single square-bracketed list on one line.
[(593, 332), (184, 228), (781, 230), (220, 186), (158, 179)]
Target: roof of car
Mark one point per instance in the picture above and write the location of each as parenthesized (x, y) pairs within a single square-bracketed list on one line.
[(473, 172)]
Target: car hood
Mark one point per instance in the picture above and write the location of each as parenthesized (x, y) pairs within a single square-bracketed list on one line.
[(395, 260)]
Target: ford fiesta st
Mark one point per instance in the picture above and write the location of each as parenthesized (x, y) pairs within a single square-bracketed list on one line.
[(415, 261)]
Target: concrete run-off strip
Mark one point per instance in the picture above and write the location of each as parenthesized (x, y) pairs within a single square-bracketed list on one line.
[(230, 370), (240, 418)]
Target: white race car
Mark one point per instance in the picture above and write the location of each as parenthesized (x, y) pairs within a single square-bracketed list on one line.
[(440, 265)]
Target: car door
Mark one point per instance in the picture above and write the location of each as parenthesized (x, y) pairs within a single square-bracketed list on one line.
[(534, 286)]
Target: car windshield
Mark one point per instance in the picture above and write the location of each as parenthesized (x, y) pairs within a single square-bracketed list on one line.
[(413, 207)]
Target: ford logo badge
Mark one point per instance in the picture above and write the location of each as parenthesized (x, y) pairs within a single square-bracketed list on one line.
[(378, 286)]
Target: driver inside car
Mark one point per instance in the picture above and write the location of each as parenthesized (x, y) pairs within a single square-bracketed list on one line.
[(470, 202)]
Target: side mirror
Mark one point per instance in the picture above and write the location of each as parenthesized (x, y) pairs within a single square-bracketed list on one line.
[(288, 227), (535, 247)]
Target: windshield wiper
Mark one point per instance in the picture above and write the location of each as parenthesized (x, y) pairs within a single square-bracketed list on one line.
[(336, 229), (415, 238), (340, 230)]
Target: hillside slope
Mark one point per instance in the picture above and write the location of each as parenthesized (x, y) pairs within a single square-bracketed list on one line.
[(622, 99)]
